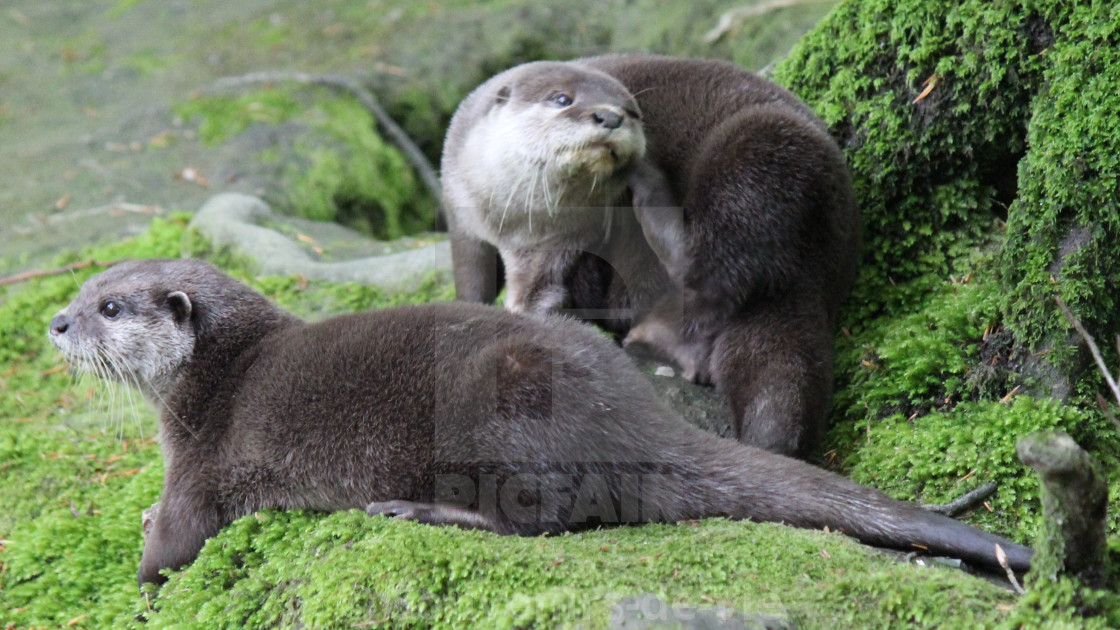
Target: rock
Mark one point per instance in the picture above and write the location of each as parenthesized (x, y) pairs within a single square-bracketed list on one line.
[(247, 225)]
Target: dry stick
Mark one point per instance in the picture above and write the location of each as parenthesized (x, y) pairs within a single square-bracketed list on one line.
[(966, 502), (412, 152), (28, 275), (1096, 352), (1001, 558)]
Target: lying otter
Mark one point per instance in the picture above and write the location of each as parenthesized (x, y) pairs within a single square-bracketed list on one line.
[(453, 413), (700, 204)]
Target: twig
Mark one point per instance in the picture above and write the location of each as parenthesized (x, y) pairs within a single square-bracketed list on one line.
[(412, 152), (1001, 558), (1096, 352), (966, 502), (28, 275), (734, 18)]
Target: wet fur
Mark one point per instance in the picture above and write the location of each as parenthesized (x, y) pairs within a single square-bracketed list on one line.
[(376, 410)]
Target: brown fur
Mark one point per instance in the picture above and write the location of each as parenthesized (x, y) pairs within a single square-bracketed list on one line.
[(755, 262), (416, 411)]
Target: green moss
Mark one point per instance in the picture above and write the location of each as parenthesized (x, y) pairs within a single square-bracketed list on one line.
[(927, 173), (1062, 603), (368, 186), (1022, 90), (223, 117), (917, 167), (929, 405), (348, 174), (1064, 228), (347, 569), (957, 117)]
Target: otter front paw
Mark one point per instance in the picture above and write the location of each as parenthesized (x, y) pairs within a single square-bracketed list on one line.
[(400, 509), (434, 514), (660, 339), (148, 519)]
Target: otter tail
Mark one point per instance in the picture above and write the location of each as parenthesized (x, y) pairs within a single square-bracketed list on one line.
[(763, 486)]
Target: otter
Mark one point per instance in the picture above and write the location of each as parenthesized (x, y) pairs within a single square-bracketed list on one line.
[(533, 168), (452, 413), (726, 236)]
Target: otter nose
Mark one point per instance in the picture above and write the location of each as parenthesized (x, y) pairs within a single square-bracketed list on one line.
[(59, 324), (607, 118)]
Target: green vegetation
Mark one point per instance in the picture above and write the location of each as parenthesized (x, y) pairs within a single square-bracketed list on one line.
[(347, 568), (982, 150), (371, 187), (220, 118), (1065, 224), (936, 172), (348, 175)]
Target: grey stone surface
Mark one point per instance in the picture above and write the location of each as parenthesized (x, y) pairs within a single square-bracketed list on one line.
[(700, 405), (238, 221)]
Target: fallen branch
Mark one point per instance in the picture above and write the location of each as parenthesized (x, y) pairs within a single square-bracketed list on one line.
[(412, 152), (28, 275), (966, 502), (1096, 352), (734, 18)]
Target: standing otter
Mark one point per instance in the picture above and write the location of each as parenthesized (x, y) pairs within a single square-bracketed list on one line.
[(444, 413), (534, 167), (740, 195)]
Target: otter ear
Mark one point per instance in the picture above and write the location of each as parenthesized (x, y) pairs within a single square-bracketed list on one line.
[(180, 306), (503, 95)]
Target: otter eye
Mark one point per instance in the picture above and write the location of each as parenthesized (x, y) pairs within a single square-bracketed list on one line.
[(561, 99), (633, 113), (110, 309)]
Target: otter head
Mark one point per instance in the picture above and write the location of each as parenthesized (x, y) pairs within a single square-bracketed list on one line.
[(131, 323), (570, 118), (140, 322)]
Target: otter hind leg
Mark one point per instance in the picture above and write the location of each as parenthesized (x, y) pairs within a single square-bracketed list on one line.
[(773, 363), (434, 514)]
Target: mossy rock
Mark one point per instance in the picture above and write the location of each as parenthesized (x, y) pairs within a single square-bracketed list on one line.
[(957, 117), (319, 157), (982, 142)]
